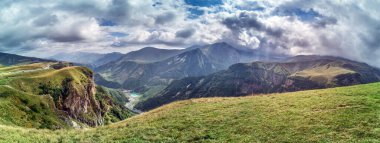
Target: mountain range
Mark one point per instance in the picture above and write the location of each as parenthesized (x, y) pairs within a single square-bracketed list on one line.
[(139, 71), (166, 75), (11, 59), (46, 94), (91, 60), (293, 74)]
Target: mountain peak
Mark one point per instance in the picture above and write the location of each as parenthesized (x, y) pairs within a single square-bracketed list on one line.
[(221, 45), (299, 58), (149, 48)]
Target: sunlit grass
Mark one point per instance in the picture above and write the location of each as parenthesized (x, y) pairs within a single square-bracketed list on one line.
[(345, 114)]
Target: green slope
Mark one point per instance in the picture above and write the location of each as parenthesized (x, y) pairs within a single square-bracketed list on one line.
[(27, 110), (52, 95), (345, 114)]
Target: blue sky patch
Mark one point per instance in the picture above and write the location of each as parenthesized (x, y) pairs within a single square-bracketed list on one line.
[(157, 4), (195, 13), (119, 34), (251, 6), (304, 15), (204, 3), (105, 22), (119, 44)]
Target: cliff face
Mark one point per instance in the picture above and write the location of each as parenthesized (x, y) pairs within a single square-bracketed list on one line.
[(80, 102), (69, 93), (83, 101)]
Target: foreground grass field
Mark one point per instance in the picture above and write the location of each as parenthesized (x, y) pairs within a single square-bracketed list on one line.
[(345, 114)]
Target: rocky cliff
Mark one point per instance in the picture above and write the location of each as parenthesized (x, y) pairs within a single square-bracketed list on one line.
[(67, 93)]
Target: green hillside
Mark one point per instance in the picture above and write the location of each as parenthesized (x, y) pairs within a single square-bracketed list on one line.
[(55, 96), (344, 114)]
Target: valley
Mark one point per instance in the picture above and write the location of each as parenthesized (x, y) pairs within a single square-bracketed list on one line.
[(220, 69), (59, 102), (143, 72), (189, 71)]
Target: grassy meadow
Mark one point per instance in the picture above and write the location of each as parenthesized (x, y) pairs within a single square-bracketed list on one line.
[(344, 114)]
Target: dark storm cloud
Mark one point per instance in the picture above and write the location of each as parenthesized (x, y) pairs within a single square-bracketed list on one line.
[(119, 10), (249, 21), (165, 18), (302, 11), (80, 21), (186, 33), (45, 20), (304, 15), (85, 8), (66, 37), (344, 28), (15, 37), (243, 21), (302, 43), (350, 28)]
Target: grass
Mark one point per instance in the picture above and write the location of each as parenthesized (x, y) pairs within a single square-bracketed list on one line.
[(30, 96), (22, 108), (344, 114), (27, 110), (153, 90), (324, 74)]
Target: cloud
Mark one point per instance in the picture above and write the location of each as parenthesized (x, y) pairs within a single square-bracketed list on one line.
[(330, 27), (185, 33), (73, 30), (165, 18), (45, 20), (247, 21), (347, 28)]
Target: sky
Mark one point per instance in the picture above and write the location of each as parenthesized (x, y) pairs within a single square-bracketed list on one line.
[(347, 28)]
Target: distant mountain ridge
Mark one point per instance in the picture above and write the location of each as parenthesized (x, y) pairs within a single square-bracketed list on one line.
[(88, 59), (134, 75), (294, 74), (149, 55), (134, 72), (12, 59)]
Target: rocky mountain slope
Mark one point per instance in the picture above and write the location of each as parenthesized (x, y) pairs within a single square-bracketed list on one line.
[(149, 55), (137, 73), (55, 95), (133, 75), (268, 77), (93, 60)]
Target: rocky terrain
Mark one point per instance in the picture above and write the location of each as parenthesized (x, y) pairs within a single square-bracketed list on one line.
[(294, 74), (56, 95)]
